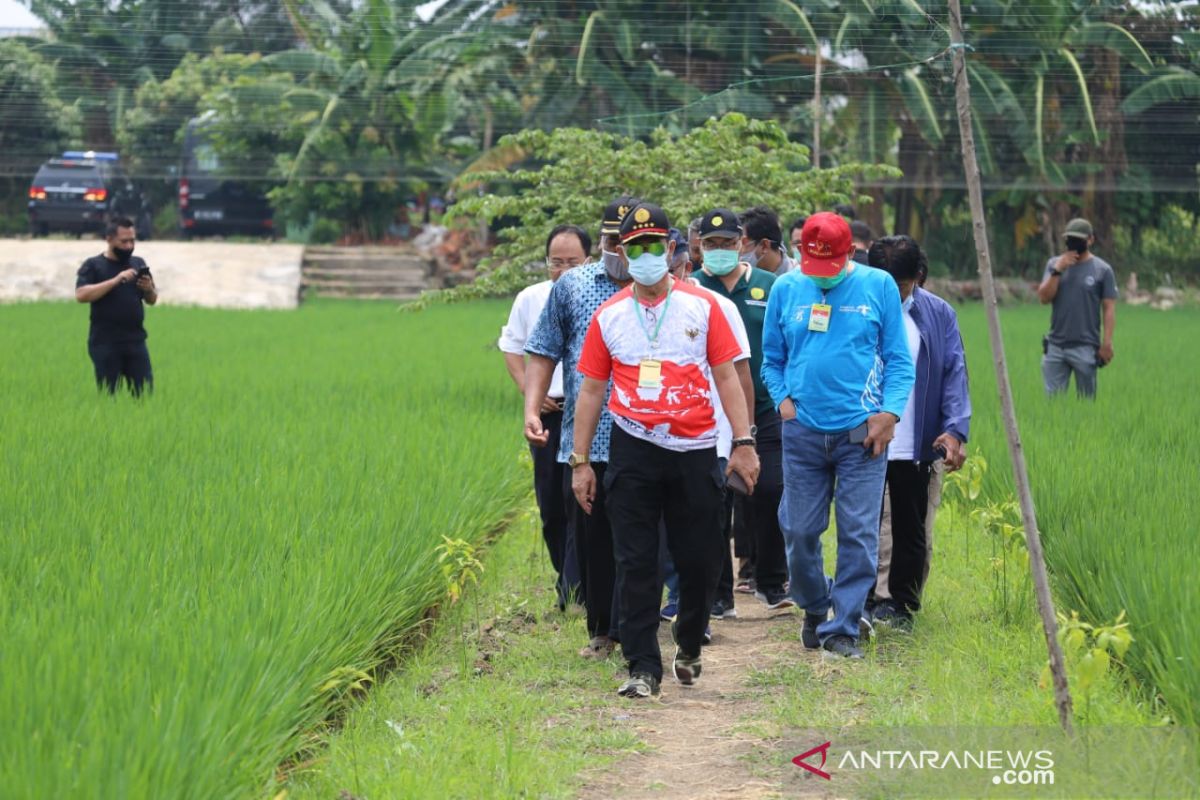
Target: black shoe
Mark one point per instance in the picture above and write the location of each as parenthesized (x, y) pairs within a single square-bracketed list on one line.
[(675, 633), (639, 685), (687, 668), (840, 646), (888, 617), (723, 609), (808, 633), (774, 598)]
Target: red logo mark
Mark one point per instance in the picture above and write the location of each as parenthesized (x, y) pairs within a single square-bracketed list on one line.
[(824, 751)]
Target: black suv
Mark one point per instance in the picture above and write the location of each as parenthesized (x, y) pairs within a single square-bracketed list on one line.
[(80, 191), (212, 203)]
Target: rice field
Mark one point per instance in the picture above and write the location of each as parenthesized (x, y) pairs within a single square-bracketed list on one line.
[(188, 585), (1115, 482)]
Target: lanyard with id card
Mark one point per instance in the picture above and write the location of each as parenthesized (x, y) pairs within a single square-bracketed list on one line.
[(650, 369), (818, 319), (649, 374)]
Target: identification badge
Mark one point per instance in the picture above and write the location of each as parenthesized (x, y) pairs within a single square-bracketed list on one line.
[(649, 374), (819, 319)]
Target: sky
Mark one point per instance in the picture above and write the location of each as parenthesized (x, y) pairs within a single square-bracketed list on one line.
[(15, 15)]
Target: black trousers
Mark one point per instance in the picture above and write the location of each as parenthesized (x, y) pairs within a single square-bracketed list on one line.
[(770, 556), (557, 526), (908, 488), (646, 485), (730, 511), (116, 360), (594, 549)]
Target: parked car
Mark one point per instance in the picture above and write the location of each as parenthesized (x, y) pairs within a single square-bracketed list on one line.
[(211, 203), (78, 192)]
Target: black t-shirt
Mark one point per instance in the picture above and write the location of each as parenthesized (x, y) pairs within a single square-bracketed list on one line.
[(118, 316)]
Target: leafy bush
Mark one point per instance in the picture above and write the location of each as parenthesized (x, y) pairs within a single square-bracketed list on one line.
[(570, 174), (1165, 253), (324, 231)]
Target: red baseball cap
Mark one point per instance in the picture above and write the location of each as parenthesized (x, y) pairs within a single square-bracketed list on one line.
[(825, 242)]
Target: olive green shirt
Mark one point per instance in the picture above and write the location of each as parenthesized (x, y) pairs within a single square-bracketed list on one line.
[(750, 295)]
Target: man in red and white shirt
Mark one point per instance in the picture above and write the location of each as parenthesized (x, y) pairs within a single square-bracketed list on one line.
[(667, 347)]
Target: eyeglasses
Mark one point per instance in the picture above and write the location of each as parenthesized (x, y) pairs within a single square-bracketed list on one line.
[(653, 248), (563, 263)]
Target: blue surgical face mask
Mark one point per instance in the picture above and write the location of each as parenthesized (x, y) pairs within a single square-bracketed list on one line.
[(720, 262), (648, 269), (751, 258), (614, 266)]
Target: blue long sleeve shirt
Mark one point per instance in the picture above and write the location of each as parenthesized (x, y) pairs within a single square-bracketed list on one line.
[(943, 403), (859, 367)]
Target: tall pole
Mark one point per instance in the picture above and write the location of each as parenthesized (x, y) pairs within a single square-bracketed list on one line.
[(817, 113), (1037, 560)]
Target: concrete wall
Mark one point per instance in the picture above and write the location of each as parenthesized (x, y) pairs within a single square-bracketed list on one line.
[(212, 274)]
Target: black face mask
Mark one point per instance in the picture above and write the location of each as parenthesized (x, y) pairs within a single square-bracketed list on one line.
[(123, 255), (1078, 245)]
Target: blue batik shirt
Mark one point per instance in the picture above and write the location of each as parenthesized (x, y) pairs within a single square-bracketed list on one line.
[(559, 334)]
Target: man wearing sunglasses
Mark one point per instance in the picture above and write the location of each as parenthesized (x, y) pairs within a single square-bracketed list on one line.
[(558, 337), (749, 289), (667, 347), (567, 247)]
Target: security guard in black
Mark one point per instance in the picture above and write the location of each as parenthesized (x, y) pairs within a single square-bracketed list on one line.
[(110, 282)]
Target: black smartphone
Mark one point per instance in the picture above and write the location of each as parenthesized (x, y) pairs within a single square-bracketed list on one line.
[(143, 272), (859, 434), (1080, 246), (735, 482)]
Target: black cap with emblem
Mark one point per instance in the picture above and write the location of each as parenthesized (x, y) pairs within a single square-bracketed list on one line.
[(615, 212), (646, 219), (720, 222)]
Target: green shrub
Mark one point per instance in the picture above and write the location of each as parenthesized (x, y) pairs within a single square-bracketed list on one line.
[(1164, 254)]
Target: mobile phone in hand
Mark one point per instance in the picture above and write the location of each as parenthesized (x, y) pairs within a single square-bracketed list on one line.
[(736, 483), (859, 435), (143, 272)]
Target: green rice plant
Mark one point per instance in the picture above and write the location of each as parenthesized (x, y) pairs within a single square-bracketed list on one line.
[(191, 584), (1114, 482)]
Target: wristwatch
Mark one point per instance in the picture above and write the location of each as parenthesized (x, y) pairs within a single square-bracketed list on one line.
[(747, 441), (1056, 272), (577, 460), (753, 431)]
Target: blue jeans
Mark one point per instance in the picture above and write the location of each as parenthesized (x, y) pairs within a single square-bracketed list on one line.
[(819, 468)]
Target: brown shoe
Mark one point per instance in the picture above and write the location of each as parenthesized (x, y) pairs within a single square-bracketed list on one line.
[(599, 648)]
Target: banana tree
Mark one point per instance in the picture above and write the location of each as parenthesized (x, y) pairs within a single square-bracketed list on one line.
[(354, 119)]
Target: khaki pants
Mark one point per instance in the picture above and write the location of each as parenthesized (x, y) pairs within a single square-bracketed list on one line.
[(885, 530)]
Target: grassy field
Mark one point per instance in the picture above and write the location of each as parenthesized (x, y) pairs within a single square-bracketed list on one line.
[(188, 585), (1114, 482)]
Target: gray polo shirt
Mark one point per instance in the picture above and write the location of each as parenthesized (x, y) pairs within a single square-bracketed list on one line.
[(1075, 319)]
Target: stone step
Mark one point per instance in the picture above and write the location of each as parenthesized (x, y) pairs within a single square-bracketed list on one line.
[(365, 286), (369, 262), (353, 273), (393, 296)]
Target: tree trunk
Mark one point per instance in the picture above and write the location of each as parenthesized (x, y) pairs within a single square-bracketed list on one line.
[(911, 147), (1110, 154)]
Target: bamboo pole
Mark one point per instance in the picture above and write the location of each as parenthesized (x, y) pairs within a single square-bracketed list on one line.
[(817, 113), (1037, 561)]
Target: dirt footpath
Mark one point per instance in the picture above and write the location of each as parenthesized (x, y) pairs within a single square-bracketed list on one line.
[(700, 741), (211, 274)]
